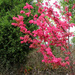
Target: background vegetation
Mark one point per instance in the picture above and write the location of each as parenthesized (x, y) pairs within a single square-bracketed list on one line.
[(11, 50)]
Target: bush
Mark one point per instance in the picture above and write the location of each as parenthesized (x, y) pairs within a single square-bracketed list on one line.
[(8, 5), (11, 50)]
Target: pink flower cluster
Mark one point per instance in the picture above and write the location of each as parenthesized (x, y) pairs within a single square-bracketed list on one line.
[(28, 6), (73, 6), (51, 34)]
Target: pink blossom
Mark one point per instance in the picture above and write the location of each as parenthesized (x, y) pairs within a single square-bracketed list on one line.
[(21, 23), (67, 62), (73, 6), (40, 10), (22, 11), (15, 24), (28, 14), (28, 6), (66, 58), (42, 3), (66, 0), (36, 15), (74, 62), (20, 18), (55, 60), (21, 38), (67, 53), (69, 14), (43, 60), (72, 24), (66, 8), (23, 29), (15, 18), (46, 3), (63, 64), (25, 7), (22, 42), (31, 21), (31, 7), (62, 48)]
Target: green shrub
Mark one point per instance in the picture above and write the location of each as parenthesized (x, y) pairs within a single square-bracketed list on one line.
[(8, 5), (11, 50)]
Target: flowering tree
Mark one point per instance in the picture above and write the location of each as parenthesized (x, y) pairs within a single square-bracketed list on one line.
[(53, 34)]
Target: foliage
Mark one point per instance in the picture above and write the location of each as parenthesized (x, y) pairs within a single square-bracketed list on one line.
[(11, 50), (8, 5), (73, 39), (70, 4)]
